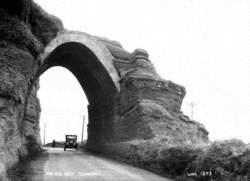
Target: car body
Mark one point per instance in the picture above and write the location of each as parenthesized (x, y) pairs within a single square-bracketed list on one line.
[(70, 142)]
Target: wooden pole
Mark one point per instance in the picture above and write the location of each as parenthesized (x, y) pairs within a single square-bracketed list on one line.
[(44, 133), (83, 128)]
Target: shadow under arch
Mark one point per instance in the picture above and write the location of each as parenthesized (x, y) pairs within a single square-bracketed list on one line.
[(97, 84)]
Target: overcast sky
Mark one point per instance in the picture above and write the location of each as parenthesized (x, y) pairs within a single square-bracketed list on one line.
[(203, 45)]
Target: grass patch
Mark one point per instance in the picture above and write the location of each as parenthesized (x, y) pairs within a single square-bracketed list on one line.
[(227, 160)]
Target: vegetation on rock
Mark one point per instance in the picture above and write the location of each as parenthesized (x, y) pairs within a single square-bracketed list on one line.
[(19, 50), (43, 25)]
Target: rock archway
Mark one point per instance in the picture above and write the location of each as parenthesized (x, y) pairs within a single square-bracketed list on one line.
[(131, 108), (128, 100)]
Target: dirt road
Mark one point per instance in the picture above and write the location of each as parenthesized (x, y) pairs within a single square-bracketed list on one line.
[(58, 165)]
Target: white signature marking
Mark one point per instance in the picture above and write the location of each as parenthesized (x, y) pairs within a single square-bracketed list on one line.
[(70, 174)]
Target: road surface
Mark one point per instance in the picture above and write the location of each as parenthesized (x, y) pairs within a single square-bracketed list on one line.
[(58, 165)]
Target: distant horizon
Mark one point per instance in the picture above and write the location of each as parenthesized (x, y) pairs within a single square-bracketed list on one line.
[(202, 45)]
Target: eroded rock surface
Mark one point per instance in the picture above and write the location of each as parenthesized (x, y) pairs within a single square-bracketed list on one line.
[(20, 44), (150, 105)]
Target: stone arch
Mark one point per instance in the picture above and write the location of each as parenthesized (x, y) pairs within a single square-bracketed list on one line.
[(92, 65), (98, 48), (128, 100), (87, 68)]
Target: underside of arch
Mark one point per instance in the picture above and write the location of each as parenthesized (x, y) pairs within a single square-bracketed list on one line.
[(87, 68)]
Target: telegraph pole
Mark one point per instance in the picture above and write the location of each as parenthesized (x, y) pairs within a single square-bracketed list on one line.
[(83, 128), (191, 110), (44, 133)]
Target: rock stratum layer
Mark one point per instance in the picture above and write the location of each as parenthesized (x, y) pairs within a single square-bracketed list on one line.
[(131, 108)]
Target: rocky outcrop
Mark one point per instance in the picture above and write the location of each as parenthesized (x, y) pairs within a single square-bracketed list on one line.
[(131, 107), (151, 106), (149, 114), (21, 41), (30, 123)]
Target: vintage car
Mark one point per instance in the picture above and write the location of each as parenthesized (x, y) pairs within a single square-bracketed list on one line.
[(70, 142)]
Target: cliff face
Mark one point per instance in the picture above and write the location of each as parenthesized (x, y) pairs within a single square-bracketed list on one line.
[(145, 113), (151, 106), (21, 41)]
